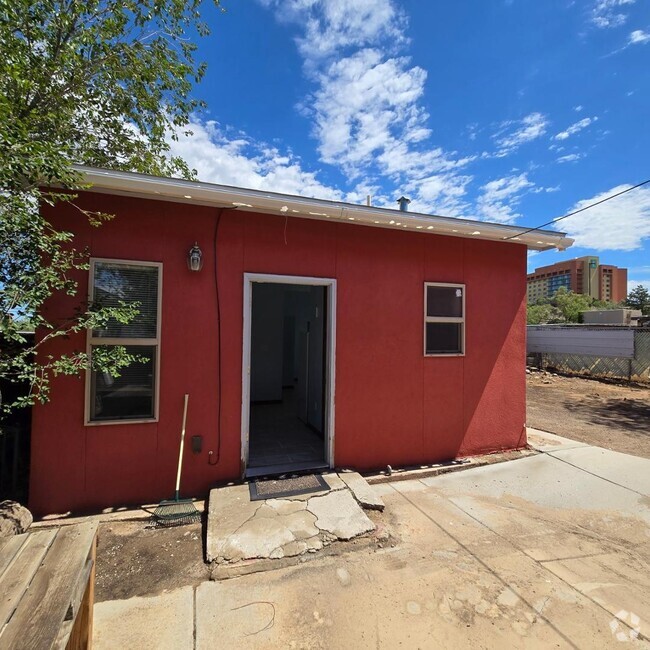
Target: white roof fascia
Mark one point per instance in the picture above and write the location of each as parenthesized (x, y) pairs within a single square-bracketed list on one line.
[(209, 194)]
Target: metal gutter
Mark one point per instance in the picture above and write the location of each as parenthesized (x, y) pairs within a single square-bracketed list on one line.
[(200, 193)]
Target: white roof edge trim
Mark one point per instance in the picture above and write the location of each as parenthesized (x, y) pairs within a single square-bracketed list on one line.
[(201, 193)]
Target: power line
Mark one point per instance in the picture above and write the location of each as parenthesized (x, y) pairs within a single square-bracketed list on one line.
[(586, 207)]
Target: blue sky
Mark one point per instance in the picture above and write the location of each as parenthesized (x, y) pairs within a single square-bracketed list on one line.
[(514, 111)]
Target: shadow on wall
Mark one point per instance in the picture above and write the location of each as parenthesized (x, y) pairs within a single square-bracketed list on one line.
[(494, 373)]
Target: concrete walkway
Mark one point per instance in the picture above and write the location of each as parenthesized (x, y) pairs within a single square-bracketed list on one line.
[(551, 550)]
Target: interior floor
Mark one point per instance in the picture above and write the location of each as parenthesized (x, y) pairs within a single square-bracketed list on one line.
[(279, 439)]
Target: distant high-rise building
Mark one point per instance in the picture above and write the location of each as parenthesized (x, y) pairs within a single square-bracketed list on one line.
[(582, 275)]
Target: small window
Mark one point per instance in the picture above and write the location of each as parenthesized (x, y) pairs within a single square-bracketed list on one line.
[(133, 395), (444, 319)]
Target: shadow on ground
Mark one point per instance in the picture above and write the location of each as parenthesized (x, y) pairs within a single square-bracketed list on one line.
[(628, 414)]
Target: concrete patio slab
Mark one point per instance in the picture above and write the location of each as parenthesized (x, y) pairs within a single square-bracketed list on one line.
[(164, 622), (451, 583), (613, 584), (627, 471), (565, 487), (365, 494)]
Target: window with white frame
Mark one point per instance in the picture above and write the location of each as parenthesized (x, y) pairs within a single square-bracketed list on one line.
[(133, 395), (444, 319)]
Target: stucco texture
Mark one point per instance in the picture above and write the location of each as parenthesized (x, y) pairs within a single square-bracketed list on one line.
[(393, 405)]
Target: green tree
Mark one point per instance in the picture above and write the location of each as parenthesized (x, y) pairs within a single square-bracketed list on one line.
[(96, 82), (639, 298), (570, 304), (539, 314), (564, 306)]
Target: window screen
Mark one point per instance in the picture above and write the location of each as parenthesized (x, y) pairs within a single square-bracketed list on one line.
[(132, 394), (115, 283), (129, 396), (444, 319)]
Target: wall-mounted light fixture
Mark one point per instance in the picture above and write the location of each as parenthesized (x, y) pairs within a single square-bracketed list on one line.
[(195, 258)]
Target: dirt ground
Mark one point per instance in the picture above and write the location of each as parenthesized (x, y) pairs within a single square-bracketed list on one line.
[(610, 414), (134, 559)]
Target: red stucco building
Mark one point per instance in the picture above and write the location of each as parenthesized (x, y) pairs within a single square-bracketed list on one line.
[(315, 334)]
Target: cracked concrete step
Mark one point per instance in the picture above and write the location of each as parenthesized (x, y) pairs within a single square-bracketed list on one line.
[(241, 530), (364, 493), (337, 513)]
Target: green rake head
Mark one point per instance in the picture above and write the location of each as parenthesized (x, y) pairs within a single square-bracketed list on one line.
[(176, 513)]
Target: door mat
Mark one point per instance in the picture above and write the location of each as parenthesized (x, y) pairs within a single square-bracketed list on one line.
[(279, 488)]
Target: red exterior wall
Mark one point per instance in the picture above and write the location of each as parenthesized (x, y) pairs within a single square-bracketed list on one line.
[(393, 405)]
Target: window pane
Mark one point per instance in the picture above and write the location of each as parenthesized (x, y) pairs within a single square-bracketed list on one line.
[(445, 301), (444, 338), (128, 283), (129, 396)]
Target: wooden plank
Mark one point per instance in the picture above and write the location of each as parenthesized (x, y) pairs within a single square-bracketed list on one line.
[(44, 607), (10, 546), (81, 637), (19, 574)]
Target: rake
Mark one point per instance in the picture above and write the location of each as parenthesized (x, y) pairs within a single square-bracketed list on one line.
[(177, 511)]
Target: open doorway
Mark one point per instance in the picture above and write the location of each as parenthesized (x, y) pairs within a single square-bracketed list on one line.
[(287, 400)]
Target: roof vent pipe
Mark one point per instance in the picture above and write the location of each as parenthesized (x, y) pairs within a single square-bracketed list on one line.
[(403, 203)]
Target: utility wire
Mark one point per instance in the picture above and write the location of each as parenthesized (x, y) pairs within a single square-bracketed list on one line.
[(586, 207)]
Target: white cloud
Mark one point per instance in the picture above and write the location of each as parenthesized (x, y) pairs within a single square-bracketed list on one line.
[(608, 13), (226, 158), (360, 102), (366, 107), (638, 36), (499, 197), (238, 160), (440, 193), (578, 108), (574, 128), (632, 284), (620, 224), (570, 157), (514, 133), (331, 26)]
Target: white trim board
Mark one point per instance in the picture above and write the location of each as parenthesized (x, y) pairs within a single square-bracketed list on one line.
[(137, 185), (330, 365)]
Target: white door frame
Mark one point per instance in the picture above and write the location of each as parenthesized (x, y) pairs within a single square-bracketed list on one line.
[(330, 355)]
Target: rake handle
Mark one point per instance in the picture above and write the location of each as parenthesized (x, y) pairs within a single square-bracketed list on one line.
[(180, 452)]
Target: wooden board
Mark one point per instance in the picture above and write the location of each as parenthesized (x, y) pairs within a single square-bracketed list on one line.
[(9, 547), (20, 572), (44, 588)]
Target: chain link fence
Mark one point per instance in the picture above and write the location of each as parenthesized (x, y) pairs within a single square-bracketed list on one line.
[(636, 369)]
